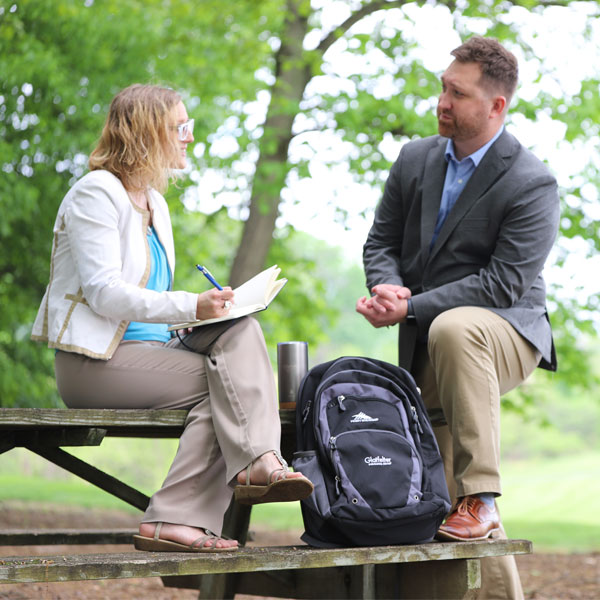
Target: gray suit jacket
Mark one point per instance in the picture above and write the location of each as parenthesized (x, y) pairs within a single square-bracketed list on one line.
[(490, 251)]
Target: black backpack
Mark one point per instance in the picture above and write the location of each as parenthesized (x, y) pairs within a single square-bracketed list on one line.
[(365, 441)]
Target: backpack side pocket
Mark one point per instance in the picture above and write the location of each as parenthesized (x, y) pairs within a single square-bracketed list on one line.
[(308, 464)]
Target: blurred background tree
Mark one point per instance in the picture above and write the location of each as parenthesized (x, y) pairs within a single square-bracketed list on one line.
[(276, 87)]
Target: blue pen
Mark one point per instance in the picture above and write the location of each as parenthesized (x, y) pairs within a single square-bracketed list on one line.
[(208, 276)]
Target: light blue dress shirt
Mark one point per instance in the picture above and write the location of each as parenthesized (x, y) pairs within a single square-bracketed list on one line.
[(457, 175)]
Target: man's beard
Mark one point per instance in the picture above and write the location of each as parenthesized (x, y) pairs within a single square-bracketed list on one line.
[(460, 129)]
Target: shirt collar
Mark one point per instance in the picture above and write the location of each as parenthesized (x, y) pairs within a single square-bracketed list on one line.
[(477, 155)]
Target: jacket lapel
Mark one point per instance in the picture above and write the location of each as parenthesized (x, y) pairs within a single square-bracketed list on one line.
[(493, 165), (433, 184)]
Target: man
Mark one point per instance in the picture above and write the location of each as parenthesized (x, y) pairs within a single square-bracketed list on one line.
[(455, 255)]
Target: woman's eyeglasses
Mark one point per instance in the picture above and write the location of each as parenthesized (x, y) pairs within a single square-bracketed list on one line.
[(184, 129)]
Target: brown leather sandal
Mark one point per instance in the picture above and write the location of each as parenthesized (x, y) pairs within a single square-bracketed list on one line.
[(280, 487), (155, 544)]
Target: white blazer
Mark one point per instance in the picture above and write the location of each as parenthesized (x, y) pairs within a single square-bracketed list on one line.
[(99, 268)]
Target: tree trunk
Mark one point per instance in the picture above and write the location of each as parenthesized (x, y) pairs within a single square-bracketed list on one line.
[(292, 74), (291, 77)]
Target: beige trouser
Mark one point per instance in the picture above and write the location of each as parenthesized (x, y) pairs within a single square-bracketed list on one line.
[(472, 357), (228, 385)]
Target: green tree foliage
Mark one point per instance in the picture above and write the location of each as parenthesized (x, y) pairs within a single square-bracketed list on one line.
[(390, 91), (263, 78), (58, 67), (60, 64)]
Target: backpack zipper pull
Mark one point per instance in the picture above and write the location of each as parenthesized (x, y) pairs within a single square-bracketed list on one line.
[(332, 449), (340, 401), (305, 412), (415, 417)]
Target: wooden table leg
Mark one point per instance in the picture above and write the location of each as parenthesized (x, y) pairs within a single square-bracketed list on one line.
[(237, 522), (220, 586), (368, 582), (451, 579)]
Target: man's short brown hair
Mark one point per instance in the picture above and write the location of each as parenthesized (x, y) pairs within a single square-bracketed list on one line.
[(499, 67)]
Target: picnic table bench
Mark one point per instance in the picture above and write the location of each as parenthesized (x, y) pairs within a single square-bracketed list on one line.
[(433, 570)]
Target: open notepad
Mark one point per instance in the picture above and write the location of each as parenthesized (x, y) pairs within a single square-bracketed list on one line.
[(250, 297)]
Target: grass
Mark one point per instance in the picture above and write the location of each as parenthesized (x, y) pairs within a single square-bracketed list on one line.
[(552, 536), (70, 491), (563, 488), (553, 502), (279, 516)]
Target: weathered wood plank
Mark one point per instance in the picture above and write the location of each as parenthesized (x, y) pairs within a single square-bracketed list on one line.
[(60, 436), (145, 564), (167, 423), (51, 537), (7, 441), (117, 422)]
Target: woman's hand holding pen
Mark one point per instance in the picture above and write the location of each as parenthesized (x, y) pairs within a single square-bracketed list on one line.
[(214, 303)]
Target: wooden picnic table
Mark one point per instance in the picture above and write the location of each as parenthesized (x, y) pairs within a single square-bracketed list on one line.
[(433, 570)]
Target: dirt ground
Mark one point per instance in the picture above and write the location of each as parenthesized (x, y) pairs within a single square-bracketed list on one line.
[(544, 576)]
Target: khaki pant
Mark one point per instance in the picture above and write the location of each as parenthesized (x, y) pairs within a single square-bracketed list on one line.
[(227, 384), (472, 357)]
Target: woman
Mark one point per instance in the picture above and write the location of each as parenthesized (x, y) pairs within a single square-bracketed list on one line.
[(107, 308)]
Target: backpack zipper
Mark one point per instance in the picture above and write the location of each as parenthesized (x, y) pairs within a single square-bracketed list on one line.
[(306, 411), (415, 418), (337, 478), (333, 443)]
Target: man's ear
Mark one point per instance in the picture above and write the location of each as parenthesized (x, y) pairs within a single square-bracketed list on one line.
[(499, 105)]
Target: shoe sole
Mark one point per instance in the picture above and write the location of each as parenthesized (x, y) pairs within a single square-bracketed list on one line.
[(443, 535), (146, 544), (285, 490)]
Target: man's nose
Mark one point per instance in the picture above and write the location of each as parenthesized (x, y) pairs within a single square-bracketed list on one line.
[(443, 101)]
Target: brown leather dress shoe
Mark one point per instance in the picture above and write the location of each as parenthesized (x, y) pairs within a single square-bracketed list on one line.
[(470, 520)]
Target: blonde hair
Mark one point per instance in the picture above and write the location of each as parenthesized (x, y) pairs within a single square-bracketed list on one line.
[(136, 143)]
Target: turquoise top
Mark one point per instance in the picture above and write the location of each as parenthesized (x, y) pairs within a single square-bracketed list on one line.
[(159, 281)]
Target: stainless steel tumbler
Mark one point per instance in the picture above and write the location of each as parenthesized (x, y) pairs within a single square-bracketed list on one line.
[(292, 365)]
